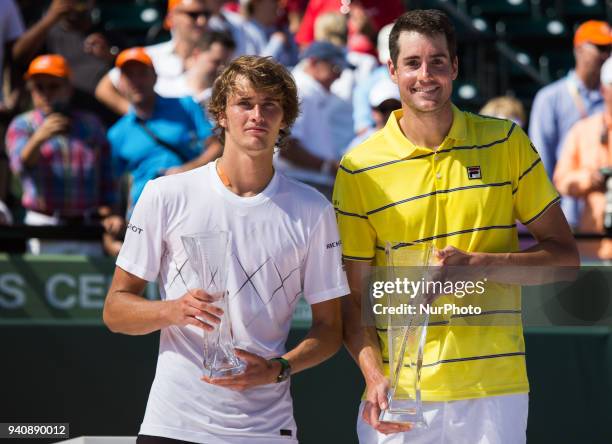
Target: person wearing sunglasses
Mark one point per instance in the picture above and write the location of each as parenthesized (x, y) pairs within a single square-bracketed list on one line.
[(188, 22)]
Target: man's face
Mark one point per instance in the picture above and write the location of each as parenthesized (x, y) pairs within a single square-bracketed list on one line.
[(252, 119), (325, 72), (219, 55), (592, 56), (137, 81), (190, 20), (48, 91), (424, 71)]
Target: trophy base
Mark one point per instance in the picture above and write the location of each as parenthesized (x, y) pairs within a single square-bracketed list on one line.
[(220, 372), (405, 415)]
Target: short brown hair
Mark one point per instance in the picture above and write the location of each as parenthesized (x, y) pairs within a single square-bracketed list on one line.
[(424, 21), (265, 75)]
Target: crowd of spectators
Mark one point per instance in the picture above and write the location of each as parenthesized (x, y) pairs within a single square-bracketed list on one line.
[(87, 121)]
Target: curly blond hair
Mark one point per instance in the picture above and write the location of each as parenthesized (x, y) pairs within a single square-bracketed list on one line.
[(265, 75)]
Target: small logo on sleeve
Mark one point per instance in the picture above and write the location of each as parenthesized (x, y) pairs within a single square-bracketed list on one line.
[(334, 245), (474, 172), (134, 228)]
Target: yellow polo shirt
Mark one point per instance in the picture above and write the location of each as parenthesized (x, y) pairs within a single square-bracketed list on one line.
[(468, 194)]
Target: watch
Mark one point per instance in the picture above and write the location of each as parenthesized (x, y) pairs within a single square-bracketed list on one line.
[(285, 369)]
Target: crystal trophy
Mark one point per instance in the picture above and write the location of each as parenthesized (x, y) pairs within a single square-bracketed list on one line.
[(209, 256), (406, 332)]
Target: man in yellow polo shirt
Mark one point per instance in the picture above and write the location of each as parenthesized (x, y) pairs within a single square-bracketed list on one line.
[(460, 181)]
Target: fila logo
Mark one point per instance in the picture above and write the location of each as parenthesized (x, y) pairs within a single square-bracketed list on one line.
[(474, 172)]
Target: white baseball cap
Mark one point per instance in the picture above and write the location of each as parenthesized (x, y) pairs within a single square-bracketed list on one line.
[(383, 90)]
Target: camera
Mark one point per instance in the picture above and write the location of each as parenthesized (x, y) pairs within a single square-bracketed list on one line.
[(607, 222)]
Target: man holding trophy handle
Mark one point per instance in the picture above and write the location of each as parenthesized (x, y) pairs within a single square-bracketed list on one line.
[(285, 245), (435, 174)]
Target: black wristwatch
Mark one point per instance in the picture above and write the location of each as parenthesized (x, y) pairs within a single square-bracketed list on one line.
[(285, 369)]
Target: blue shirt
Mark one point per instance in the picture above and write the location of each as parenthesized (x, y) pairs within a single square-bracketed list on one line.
[(362, 110), (178, 121), (553, 113)]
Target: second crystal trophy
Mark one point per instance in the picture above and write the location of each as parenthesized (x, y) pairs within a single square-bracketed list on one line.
[(406, 330), (209, 256)]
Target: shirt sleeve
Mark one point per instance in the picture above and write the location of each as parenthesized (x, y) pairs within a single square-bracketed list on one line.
[(532, 191), (200, 120), (357, 234), (14, 23), (324, 276), (143, 248), (543, 130), (17, 137)]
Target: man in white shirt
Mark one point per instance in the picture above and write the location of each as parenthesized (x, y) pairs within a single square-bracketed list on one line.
[(317, 142), (285, 244)]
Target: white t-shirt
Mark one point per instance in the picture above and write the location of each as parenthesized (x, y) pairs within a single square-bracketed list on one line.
[(168, 67), (285, 245), (11, 27)]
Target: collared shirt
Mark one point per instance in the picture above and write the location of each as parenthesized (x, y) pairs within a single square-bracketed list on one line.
[(468, 193), (553, 113), (583, 155), (179, 122), (73, 173)]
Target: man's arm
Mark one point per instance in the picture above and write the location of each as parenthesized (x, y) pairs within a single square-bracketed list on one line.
[(555, 247), (322, 341), (107, 94), (213, 149), (33, 39), (127, 311), (362, 343), (295, 152)]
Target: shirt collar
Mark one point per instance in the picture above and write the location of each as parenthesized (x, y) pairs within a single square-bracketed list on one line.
[(404, 148)]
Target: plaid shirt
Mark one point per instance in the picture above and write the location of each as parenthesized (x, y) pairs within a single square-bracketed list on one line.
[(73, 173)]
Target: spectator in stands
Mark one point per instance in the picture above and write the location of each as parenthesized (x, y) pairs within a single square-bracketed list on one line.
[(380, 14), (188, 22), (11, 27), (67, 29), (505, 107), (158, 135), (561, 104), (208, 60), (62, 157), (314, 151), (362, 115), (587, 149), (384, 99), (332, 27), (263, 30)]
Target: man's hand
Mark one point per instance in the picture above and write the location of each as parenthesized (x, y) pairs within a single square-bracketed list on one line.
[(376, 401), (59, 8), (193, 308), (113, 224), (53, 124), (598, 182), (259, 371)]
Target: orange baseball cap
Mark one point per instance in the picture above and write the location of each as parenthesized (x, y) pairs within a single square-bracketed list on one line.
[(137, 54), (51, 64), (593, 31), (171, 5)]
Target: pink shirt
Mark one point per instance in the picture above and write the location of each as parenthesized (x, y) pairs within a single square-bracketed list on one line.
[(584, 154)]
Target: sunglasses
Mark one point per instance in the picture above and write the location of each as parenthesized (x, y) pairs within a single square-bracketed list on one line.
[(603, 48), (46, 87), (194, 15)]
